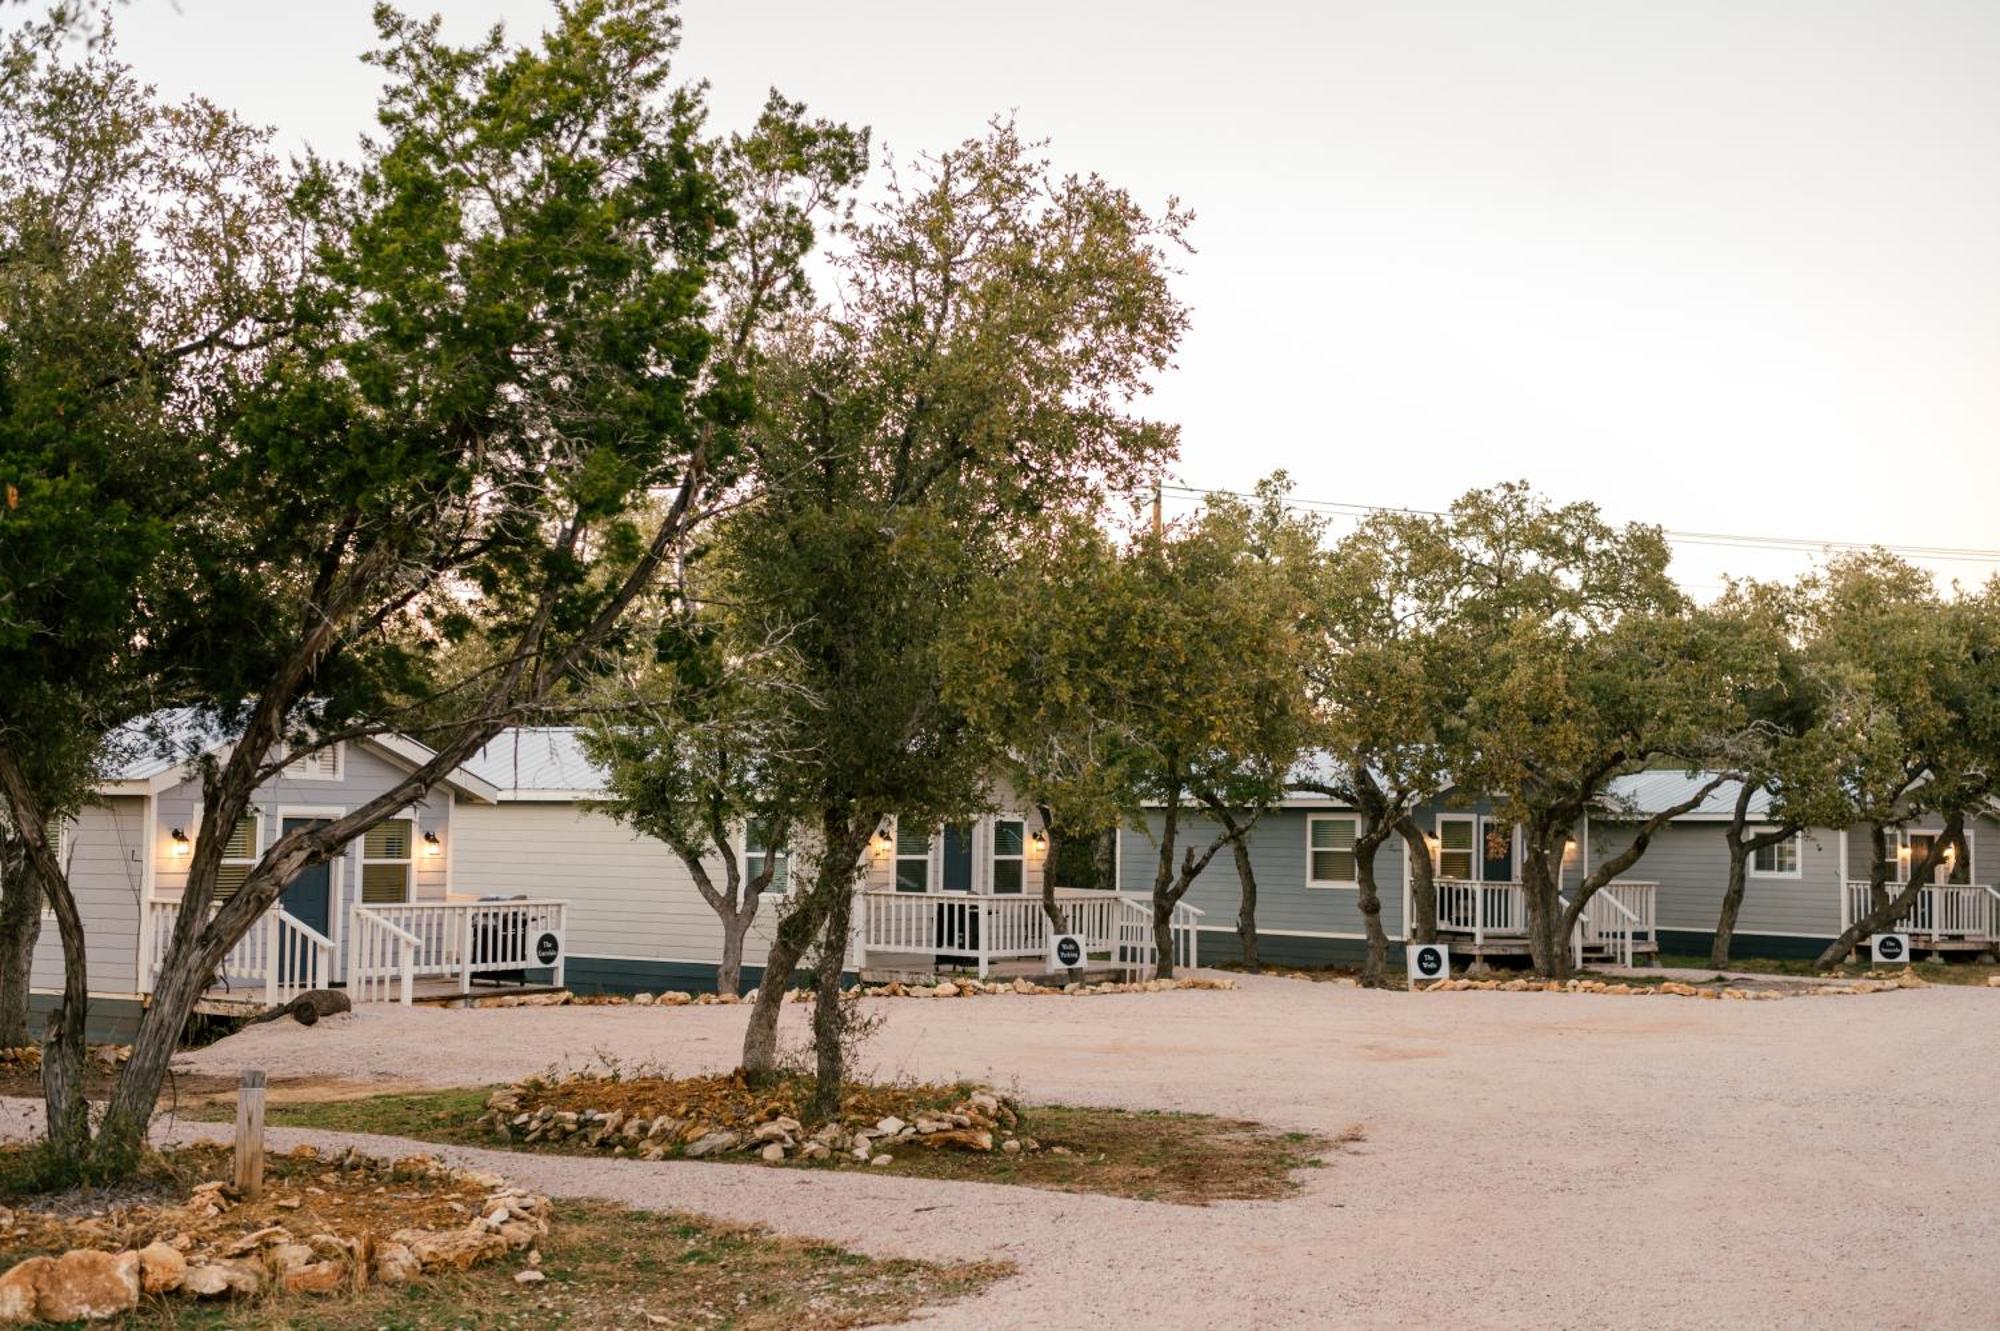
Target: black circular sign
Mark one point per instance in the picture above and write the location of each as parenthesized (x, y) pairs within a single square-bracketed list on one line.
[(547, 948), (1069, 952), (1888, 948), (1430, 962)]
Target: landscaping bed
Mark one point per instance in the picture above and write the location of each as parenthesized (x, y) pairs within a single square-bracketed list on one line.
[(323, 1225), (956, 1131), (1627, 985), (959, 987)]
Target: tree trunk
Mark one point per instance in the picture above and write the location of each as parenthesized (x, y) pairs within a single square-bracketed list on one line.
[(1106, 858), (20, 929), (64, 1100), (1246, 914), (809, 918), (1547, 946), (1375, 965), (1050, 910), (1732, 902), (829, 1013), (1884, 909), (1423, 887), (729, 971), (1163, 883)]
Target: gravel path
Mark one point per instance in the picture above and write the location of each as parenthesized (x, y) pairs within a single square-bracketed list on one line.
[(1549, 1160)]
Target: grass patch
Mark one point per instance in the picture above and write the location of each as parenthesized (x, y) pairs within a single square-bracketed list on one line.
[(1189, 1159), (609, 1268), (1935, 972)]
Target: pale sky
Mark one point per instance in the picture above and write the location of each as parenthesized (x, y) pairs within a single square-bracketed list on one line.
[(1726, 266)]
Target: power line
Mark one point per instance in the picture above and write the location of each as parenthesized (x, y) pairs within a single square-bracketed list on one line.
[(1722, 539)]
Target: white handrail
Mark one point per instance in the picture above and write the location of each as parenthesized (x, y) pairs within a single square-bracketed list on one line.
[(981, 928), (280, 954), (379, 951), (1939, 911)]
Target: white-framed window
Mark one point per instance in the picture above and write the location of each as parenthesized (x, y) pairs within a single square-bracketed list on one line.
[(1330, 839), (56, 832), (1458, 845), (1010, 856), (388, 870), (913, 858), (1780, 859), (326, 764), (239, 854), (1913, 849), (757, 852)]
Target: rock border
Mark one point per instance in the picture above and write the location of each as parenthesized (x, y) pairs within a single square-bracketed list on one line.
[(961, 988), (90, 1284), (982, 1121), (1680, 989)]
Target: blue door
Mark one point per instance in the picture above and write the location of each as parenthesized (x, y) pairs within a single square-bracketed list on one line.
[(308, 898)]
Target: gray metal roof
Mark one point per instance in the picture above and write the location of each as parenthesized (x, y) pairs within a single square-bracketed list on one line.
[(531, 760), (142, 749), (1646, 793)]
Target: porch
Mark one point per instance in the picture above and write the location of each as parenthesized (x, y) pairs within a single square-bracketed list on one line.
[(403, 952), (1619, 923), (1945, 917), (900, 935)]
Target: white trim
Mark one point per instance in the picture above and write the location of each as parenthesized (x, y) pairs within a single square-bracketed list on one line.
[(1798, 844), (416, 755), (336, 878), (896, 858), (409, 813), (1333, 884), (994, 857)]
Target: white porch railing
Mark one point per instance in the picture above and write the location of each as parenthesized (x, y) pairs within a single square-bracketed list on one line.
[(1619, 919), (1484, 910), (459, 939), (1941, 911), (281, 956), (381, 960), (978, 929)]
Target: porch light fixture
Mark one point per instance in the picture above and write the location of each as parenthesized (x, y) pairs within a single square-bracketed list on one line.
[(431, 846), (881, 841), (179, 840), (1040, 841)]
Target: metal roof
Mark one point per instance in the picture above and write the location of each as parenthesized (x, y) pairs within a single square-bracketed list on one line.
[(531, 762), (1645, 793)]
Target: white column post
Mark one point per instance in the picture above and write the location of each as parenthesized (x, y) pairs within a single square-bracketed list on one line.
[(465, 950), (271, 955)]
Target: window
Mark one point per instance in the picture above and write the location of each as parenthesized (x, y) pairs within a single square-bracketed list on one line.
[(319, 765), (913, 858), (1010, 855), (1330, 845), (1456, 834), (1923, 845), (239, 856), (757, 852), (1780, 859), (385, 861), (56, 832)]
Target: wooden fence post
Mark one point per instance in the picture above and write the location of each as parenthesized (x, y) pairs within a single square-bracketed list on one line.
[(250, 1134)]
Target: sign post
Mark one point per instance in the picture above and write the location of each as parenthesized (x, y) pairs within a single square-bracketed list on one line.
[(1890, 949), (1065, 951), (1428, 962)]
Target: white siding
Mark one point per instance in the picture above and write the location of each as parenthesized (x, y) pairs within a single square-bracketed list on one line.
[(106, 850), (628, 895)]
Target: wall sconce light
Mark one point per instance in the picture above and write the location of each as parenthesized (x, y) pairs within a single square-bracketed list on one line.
[(1040, 841), (179, 842), (882, 841), (431, 846)]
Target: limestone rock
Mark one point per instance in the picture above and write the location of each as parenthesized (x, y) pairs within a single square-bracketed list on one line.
[(89, 1286), (456, 1249), (713, 1143), (314, 1278), (529, 1277), (20, 1289), (773, 1154), (884, 1159), (395, 1264)]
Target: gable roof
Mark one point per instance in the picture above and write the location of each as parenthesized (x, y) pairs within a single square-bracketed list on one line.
[(538, 763), (154, 752)]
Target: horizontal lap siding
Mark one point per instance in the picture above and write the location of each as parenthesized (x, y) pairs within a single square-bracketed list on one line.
[(1984, 835), (107, 845), (1285, 904), (1690, 862), (628, 895)]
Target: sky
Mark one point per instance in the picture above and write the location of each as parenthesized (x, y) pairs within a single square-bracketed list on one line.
[(1728, 267)]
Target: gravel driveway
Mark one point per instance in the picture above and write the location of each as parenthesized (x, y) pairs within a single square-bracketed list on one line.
[(1530, 1159)]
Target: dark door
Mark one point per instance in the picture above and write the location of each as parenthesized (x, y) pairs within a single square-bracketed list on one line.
[(958, 921), (1497, 857), (308, 898), (957, 873)]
